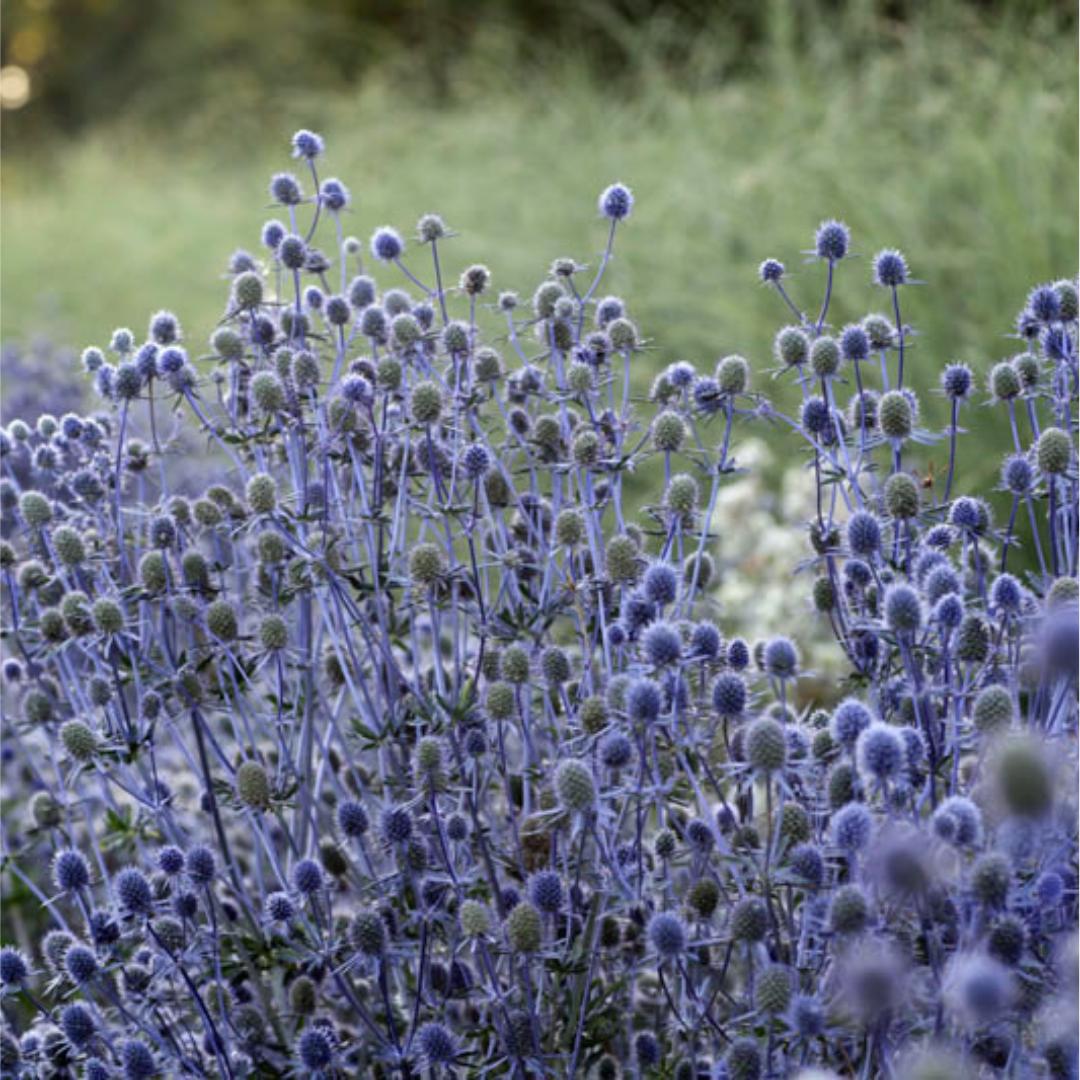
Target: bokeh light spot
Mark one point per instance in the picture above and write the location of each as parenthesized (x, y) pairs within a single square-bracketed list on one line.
[(14, 87)]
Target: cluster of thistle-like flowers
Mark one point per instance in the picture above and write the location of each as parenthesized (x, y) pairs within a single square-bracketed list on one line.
[(412, 738)]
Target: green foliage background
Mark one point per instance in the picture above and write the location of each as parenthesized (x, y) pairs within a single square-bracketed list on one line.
[(947, 129)]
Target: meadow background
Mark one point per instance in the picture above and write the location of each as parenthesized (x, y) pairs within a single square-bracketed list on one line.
[(139, 138)]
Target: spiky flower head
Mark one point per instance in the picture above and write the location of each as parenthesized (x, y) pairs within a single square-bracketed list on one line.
[(575, 786), (880, 752), (772, 993), (1053, 452), (524, 928), (749, 920), (743, 1059), (852, 826), (367, 933), (616, 202), (890, 268), (849, 911), (831, 241), (386, 244), (766, 745), (427, 564)]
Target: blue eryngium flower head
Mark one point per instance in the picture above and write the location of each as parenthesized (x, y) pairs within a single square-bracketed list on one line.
[(880, 752), (1057, 344), (77, 1023), (661, 583), (14, 969), (609, 309), (1028, 327), (201, 864), (729, 694), (164, 328), (386, 244), (957, 381), (334, 194), (850, 718), (357, 389), (285, 189), (890, 269), (70, 871), (1049, 888), (807, 1015), (1006, 595), (396, 825), (781, 658), (738, 654), (903, 609), (241, 261), (1044, 303), (314, 1049), (831, 240), (352, 818), (279, 907), (699, 835), (171, 861), (914, 748), (546, 891), (771, 270), (616, 751), (864, 534), (949, 611), (273, 232), (338, 311), (940, 537), (852, 825), (682, 374), (122, 341), (708, 396), (437, 1044), (307, 877), (807, 863), (815, 417), (138, 1061), (306, 144), (958, 821), (941, 581), (81, 964), (646, 1049), (133, 892), (705, 641), (146, 359), (616, 202), (854, 342), (667, 934), (643, 701), (637, 612), (662, 644), (92, 359), (476, 459), (927, 563), (1017, 474), (970, 514)]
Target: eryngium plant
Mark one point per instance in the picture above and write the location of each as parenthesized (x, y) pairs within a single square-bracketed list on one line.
[(408, 748)]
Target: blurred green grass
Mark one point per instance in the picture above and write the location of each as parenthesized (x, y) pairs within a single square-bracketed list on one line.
[(953, 137)]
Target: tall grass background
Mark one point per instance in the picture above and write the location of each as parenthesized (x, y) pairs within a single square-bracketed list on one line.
[(948, 130)]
